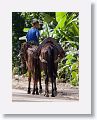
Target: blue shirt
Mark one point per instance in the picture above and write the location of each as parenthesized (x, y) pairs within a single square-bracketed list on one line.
[(33, 35)]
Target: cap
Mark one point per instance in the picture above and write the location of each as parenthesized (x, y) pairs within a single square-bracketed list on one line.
[(35, 21)]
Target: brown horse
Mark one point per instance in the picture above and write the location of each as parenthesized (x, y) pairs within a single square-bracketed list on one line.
[(30, 59), (49, 57)]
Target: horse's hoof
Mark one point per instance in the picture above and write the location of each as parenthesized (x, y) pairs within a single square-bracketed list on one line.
[(40, 91), (33, 93), (46, 95), (28, 92), (55, 93), (52, 95), (37, 93)]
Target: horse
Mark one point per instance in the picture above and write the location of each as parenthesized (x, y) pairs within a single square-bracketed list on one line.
[(49, 57), (30, 60)]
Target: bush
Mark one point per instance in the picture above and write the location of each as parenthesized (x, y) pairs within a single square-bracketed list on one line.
[(15, 70)]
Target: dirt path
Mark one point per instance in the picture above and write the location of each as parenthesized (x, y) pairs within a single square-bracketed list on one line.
[(66, 92)]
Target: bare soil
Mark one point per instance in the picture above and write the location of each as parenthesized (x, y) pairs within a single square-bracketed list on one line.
[(66, 92)]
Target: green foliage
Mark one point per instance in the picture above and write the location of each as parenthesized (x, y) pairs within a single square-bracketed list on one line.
[(25, 29), (67, 31), (60, 18), (15, 70), (17, 31), (64, 27)]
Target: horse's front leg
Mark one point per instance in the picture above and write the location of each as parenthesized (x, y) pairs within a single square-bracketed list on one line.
[(29, 82)]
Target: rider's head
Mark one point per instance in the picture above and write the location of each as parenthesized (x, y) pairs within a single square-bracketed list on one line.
[(35, 23)]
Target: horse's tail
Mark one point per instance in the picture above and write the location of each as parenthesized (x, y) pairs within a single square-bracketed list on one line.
[(50, 61)]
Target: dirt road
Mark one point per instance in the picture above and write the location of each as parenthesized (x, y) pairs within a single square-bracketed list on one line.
[(66, 92)]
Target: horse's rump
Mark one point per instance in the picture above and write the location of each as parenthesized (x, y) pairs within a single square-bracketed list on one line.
[(29, 55), (45, 51), (32, 57)]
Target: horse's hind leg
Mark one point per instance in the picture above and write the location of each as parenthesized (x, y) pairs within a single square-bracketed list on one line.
[(55, 74), (40, 86), (37, 93), (39, 77), (35, 88), (46, 87), (53, 85), (53, 95), (35, 81), (55, 88), (29, 82)]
